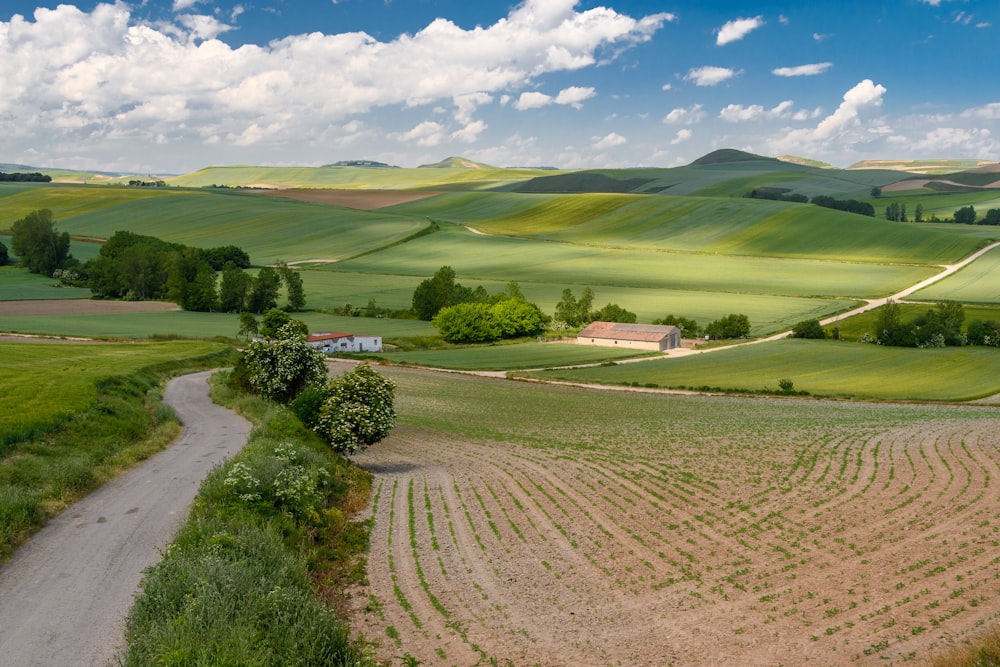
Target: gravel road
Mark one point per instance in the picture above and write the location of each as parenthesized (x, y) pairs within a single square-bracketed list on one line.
[(65, 594)]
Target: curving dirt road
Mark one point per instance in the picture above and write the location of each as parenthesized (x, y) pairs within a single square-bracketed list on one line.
[(65, 594)]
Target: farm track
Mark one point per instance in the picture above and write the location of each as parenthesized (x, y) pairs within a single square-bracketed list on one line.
[(872, 542)]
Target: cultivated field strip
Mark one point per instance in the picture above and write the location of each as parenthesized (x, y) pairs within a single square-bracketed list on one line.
[(776, 533)]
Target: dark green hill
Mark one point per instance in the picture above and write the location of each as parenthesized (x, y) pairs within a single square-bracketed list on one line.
[(725, 155)]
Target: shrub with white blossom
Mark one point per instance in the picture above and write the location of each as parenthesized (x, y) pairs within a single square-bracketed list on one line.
[(358, 410), (279, 369)]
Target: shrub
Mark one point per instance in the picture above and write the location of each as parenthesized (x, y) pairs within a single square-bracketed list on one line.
[(282, 368), (358, 411), (808, 329)]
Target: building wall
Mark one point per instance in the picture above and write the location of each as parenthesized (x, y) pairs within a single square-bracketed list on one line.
[(629, 344)]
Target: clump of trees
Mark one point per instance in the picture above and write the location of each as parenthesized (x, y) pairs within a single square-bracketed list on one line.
[(4, 255), (573, 312), (734, 325), (501, 316), (34, 177), (777, 194), (39, 247), (939, 327), (847, 205), (809, 329)]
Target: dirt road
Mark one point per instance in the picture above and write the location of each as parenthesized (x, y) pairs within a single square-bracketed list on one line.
[(65, 594)]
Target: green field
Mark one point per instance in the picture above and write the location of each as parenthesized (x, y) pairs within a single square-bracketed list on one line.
[(825, 368), (17, 284), (977, 283), (854, 327), (510, 357), (44, 383)]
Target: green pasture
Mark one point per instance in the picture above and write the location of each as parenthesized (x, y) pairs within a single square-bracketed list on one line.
[(67, 201), (17, 285), (331, 288), (941, 204), (852, 328), (730, 226), (979, 282), (825, 368), (44, 383), (510, 357), (480, 258)]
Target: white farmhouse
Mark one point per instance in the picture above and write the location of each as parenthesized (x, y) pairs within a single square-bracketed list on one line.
[(331, 343)]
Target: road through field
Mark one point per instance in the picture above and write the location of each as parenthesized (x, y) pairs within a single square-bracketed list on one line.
[(65, 594)]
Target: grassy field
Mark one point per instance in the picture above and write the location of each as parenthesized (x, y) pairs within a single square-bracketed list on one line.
[(17, 284), (977, 283), (854, 327), (45, 383), (507, 357), (826, 368)]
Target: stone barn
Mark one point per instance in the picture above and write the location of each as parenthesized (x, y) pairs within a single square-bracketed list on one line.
[(331, 343), (654, 337)]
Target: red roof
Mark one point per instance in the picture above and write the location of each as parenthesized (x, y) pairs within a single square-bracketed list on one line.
[(315, 338)]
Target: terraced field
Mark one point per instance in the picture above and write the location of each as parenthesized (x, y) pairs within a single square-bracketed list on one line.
[(518, 524)]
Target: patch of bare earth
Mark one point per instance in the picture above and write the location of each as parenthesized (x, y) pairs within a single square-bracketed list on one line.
[(58, 307), (365, 200), (873, 544)]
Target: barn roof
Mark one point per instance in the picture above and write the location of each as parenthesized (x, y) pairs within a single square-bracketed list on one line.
[(647, 333), (316, 338)]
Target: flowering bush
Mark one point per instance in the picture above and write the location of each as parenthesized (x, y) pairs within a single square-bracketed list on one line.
[(358, 410), (284, 479), (279, 369)]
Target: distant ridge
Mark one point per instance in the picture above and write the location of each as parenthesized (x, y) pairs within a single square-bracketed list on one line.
[(456, 163), (584, 181), (361, 163), (805, 162), (724, 155)]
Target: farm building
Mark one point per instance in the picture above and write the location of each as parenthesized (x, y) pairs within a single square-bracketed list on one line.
[(331, 343), (638, 336)]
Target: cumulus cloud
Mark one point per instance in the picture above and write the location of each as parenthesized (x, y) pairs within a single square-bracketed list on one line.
[(681, 136), (737, 29), (610, 141), (843, 125), (572, 96), (470, 133), (682, 116), (427, 133), (802, 70), (88, 79), (710, 76)]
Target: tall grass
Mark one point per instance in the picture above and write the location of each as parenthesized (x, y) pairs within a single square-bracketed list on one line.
[(239, 585), (125, 423)]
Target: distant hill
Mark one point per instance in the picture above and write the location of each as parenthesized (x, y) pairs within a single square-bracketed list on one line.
[(942, 166), (725, 155), (804, 161), (456, 163), (361, 163)]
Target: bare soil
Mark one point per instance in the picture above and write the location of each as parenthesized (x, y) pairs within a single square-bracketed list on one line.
[(365, 200), (59, 307), (870, 544)]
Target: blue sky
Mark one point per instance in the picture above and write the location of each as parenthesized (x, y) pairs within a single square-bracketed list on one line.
[(170, 86)]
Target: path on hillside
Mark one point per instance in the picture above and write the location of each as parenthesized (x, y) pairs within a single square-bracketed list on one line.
[(65, 594)]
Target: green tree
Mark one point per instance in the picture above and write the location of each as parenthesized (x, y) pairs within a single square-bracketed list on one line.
[(568, 310), (264, 290), (272, 321), (234, 289), (279, 369), (808, 329), (358, 410), (689, 328), (876, 192), (992, 217), (467, 323), (734, 325), (965, 215), (437, 292), (4, 256), (918, 213), (294, 290), (613, 313), (37, 244), (191, 281), (248, 325)]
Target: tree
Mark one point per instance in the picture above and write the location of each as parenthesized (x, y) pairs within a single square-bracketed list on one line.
[(918, 213), (613, 313), (293, 288), (965, 215), (4, 256), (734, 325), (567, 310), (467, 323), (234, 289), (248, 325), (281, 368), (437, 292), (876, 192), (191, 281), (272, 321), (37, 244), (358, 410), (940, 326), (689, 328), (992, 217), (984, 333), (808, 329), (264, 290)]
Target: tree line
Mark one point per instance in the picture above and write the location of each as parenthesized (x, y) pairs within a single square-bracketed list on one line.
[(34, 177), (139, 267), (847, 205)]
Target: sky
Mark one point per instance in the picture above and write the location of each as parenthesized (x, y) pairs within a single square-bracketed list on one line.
[(171, 86)]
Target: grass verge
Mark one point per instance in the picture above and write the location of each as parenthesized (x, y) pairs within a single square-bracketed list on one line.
[(126, 424), (257, 573)]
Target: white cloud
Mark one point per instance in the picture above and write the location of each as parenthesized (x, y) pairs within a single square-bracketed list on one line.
[(682, 116), (710, 76), (949, 141), (95, 81), (609, 141), (427, 133), (572, 96), (820, 37), (843, 126), (681, 136), (737, 113), (666, 86), (802, 70), (532, 100), (470, 133), (988, 112), (737, 29)]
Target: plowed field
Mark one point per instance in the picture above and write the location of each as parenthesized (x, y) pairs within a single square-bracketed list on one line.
[(527, 525)]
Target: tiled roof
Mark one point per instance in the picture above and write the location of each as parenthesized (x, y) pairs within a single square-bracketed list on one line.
[(647, 333), (315, 338)]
